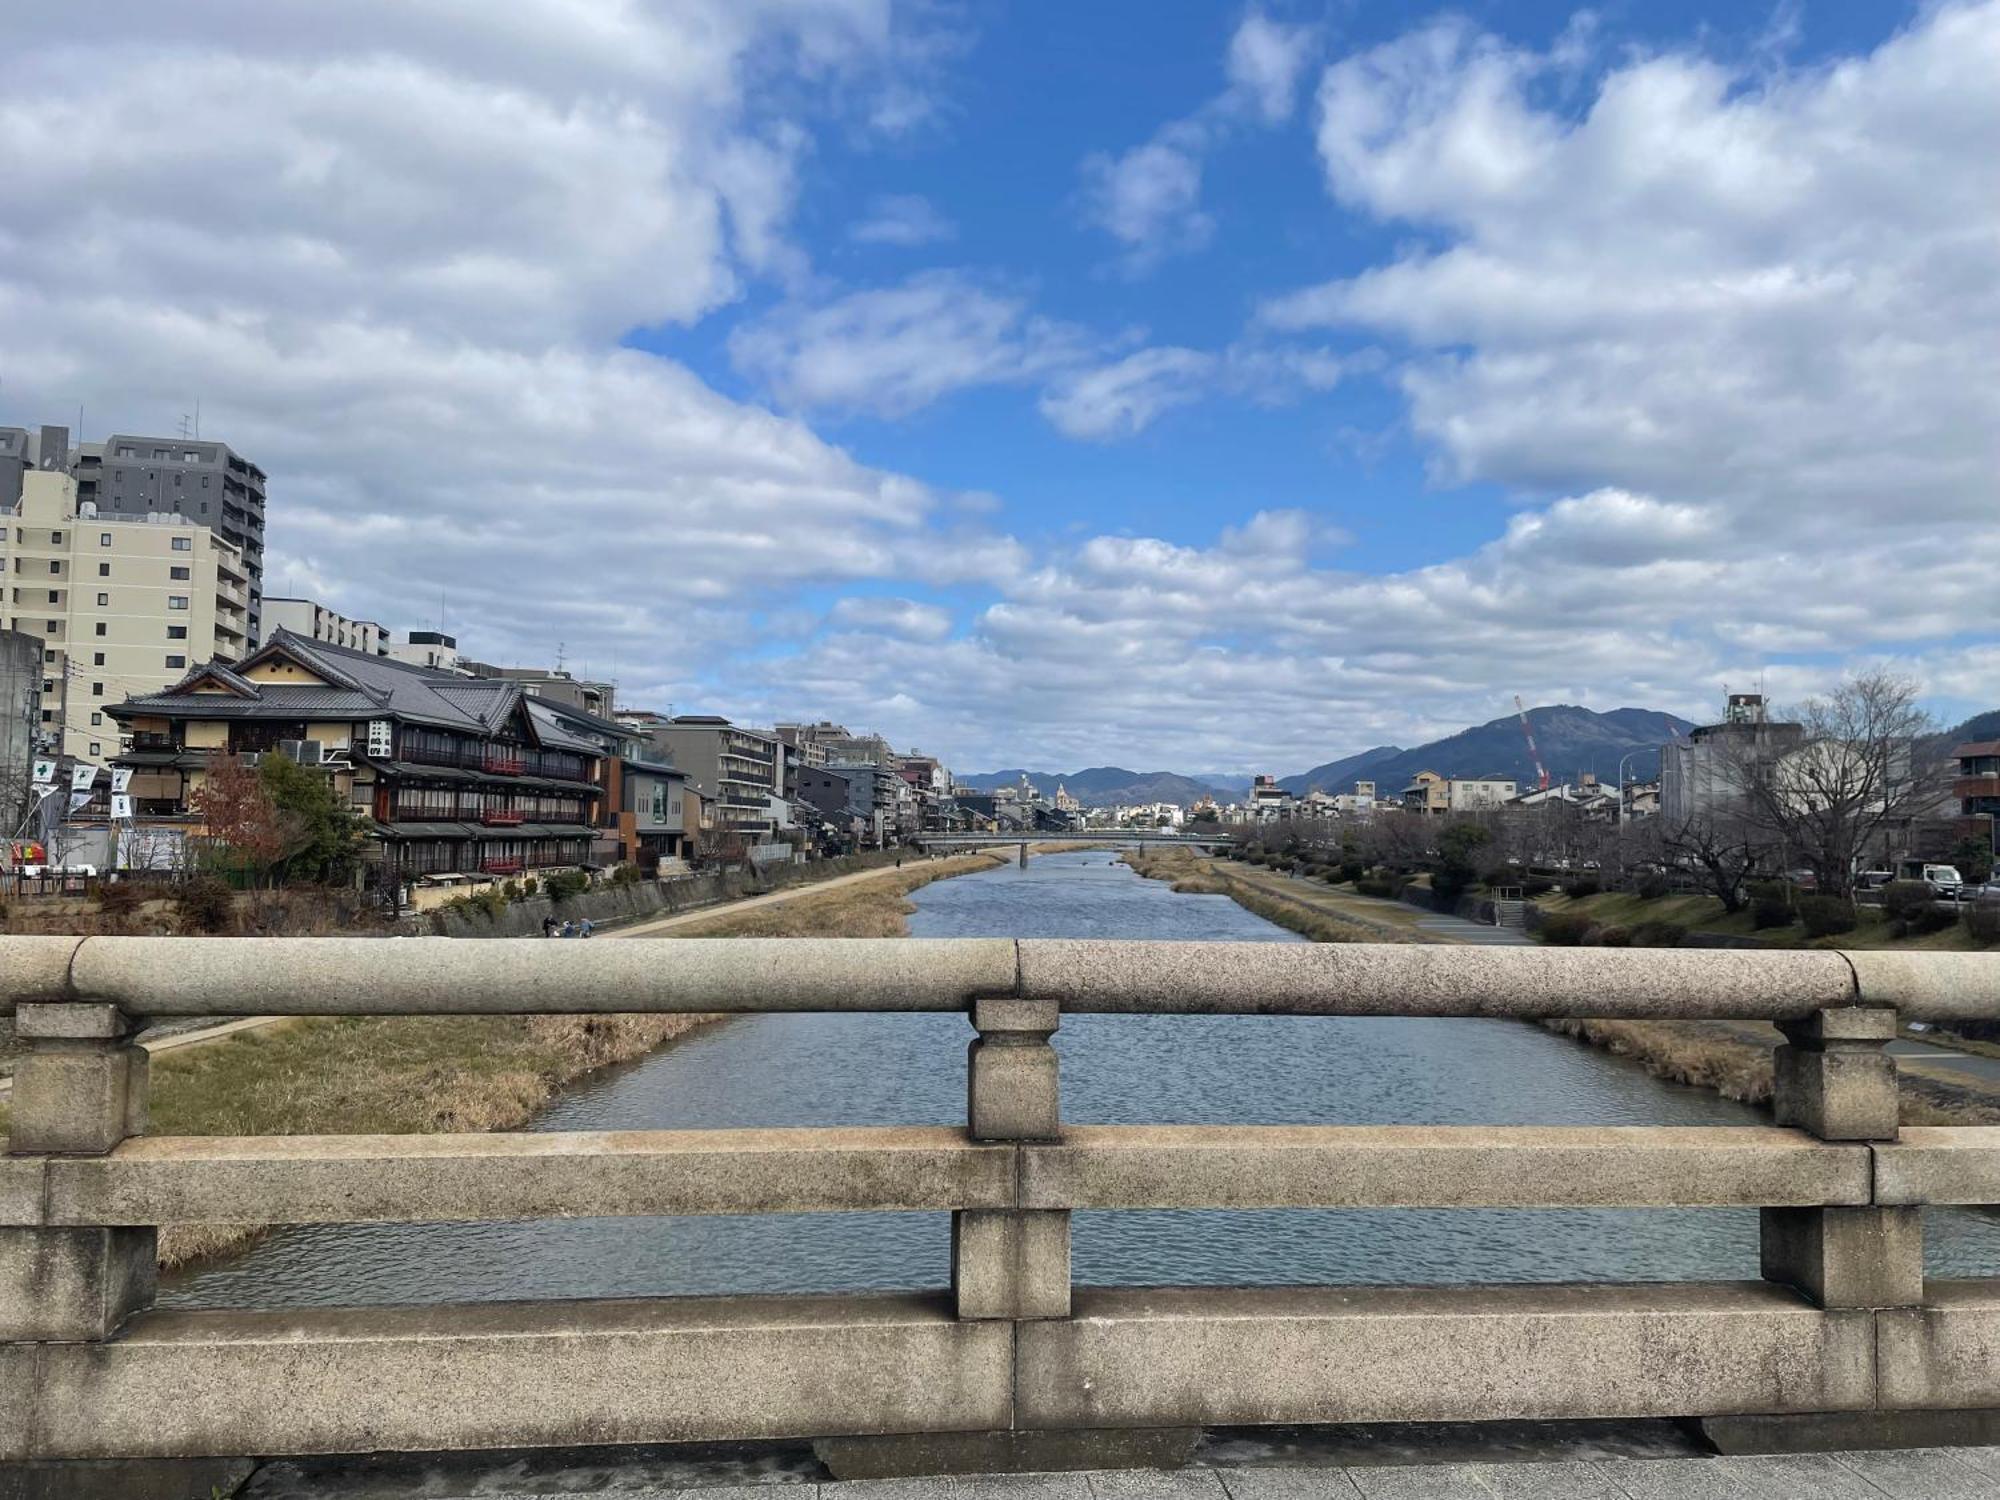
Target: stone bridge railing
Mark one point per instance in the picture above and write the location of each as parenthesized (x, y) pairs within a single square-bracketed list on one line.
[(1843, 1322)]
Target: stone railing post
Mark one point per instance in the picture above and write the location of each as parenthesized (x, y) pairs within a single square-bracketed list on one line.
[(79, 1089), (1012, 1263), (1833, 1078)]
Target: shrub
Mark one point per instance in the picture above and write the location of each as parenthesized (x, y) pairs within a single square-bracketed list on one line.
[(529, 885), (1770, 904), (205, 904), (1536, 885), (1982, 920), (1823, 916), (1651, 887), (627, 875), (1352, 870), (1615, 937), (1905, 900), (564, 884), (1388, 887), (1581, 886), (511, 890), (1658, 935), (120, 898), (1565, 930)]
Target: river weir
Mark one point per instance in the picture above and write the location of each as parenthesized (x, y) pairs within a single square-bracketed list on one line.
[(888, 1069)]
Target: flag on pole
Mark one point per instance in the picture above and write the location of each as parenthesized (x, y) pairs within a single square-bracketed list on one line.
[(45, 773), (121, 779), (121, 806), (82, 778)]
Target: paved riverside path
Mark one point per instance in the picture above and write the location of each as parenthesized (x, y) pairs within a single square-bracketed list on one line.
[(1901, 1474)]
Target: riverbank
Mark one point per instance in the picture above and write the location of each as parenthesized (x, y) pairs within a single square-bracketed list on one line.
[(443, 1074), (1313, 911)]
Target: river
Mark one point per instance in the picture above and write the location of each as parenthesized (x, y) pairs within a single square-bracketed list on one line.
[(803, 1070)]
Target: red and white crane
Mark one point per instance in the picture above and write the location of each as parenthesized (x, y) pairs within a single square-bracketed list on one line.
[(1541, 771)]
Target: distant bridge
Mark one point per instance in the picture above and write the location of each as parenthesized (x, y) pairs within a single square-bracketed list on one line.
[(1119, 836)]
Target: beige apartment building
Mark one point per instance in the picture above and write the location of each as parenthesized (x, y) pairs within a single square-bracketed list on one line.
[(122, 605)]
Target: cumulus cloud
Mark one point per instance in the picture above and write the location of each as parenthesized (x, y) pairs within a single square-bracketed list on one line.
[(1123, 398), (1148, 198), (393, 249), (907, 618), (903, 220), (1778, 288), (894, 350)]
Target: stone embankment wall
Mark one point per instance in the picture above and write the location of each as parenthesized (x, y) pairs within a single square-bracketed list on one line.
[(610, 904)]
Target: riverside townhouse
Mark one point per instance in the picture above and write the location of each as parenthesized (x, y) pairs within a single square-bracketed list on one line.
[(460, 776)]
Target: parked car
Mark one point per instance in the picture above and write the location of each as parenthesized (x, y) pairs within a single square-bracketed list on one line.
[(1804, 880), (1944, 880), (1873, 880)]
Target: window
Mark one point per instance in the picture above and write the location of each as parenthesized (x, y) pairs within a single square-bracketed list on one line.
[(55, 596), (96, 719), (52, 627), (104, 570), (180, 573), (183, 544), (95, 748), (177, 632), (48, 684), (48, 716), (159, 453), (97, 659), (124, 452), (177, 661), (104, 539), (190, 458), (177, 481), (55, 567), (204, 481), (177, 601), (48, 657), (104, 601), (101, 628), (97, 690), (55, 539)]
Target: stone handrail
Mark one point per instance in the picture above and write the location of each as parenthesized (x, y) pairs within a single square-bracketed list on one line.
[(1842, 1321), (168, 977)]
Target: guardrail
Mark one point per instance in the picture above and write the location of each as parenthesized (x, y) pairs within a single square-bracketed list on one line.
[(1842, 1322)]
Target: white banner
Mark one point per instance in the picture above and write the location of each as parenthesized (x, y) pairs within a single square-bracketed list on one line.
[(45, 773), (82, 778), (121, 806), (78, 799), (121, 780)]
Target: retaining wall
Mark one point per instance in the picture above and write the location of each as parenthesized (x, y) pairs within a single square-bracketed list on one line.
[(606, 905)]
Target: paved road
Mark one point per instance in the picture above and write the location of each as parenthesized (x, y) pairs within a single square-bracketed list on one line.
[(1907, 1474)]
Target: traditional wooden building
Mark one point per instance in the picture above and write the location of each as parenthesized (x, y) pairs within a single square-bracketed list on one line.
[(459, 775)]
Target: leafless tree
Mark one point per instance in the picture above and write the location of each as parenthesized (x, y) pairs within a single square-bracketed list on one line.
[(1860, 774), (1721, 850)]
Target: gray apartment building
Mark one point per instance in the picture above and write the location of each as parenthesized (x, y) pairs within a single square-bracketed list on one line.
[(1702, 777), (129, 478), (20, 717), (742, 769)]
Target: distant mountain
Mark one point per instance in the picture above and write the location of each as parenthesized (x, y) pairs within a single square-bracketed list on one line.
[(1571, 739), (1979, 727), (1105, 786)]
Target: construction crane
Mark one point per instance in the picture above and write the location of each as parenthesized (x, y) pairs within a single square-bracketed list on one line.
[(1541, 771)]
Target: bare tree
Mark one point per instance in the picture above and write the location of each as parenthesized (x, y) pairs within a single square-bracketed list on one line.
[(1721, 850), (1859, 774)]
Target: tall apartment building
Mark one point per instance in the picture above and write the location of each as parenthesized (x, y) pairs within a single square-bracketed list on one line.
[(740, 768), (314, 621), (1702, 777), (121, 605), (129, 477)]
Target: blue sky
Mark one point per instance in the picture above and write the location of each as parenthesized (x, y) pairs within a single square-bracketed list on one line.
[(1215, 386)]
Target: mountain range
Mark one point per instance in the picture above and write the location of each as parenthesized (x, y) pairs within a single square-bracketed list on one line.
[(1571, 739)]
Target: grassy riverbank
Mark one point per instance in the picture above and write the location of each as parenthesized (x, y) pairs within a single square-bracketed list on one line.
[(427, 1074), (1622, 909), (1311, 910)]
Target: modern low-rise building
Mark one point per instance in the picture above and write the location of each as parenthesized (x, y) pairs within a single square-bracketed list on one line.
[(121, 604), (739, 767), (432, 650), (1474, 794), (1428, 794), (554, 685), (458, 777), (1705, 776), (1977, 785), (316, 622)]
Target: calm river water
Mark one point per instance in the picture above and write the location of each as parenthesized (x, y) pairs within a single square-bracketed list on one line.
[(895, 1069)]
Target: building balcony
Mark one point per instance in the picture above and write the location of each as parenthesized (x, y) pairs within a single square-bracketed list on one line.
[(502, 866), (503, 765), (500, 817), (1968, 787)]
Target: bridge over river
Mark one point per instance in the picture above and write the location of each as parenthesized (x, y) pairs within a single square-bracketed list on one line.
[(1014, 1362)]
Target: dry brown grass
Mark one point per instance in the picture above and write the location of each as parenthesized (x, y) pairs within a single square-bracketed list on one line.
[(875, 907), (1311, 911)]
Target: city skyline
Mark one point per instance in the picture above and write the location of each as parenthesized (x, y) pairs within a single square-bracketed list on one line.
[(1340, 373)]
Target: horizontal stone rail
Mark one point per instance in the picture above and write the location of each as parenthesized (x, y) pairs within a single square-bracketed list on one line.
[(1843, 1320), (168, 977)]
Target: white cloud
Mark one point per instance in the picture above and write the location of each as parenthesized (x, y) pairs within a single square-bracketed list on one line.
[(894, 350), (1265, 60), (1149, 197), (904, 220), (1123, 398), (907, 618), (1780, 290), (392, 249)]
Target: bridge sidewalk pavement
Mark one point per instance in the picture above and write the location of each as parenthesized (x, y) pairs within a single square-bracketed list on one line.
[(1904, 1474)]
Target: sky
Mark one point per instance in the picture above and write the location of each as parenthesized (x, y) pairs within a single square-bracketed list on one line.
[(1202, 387)]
